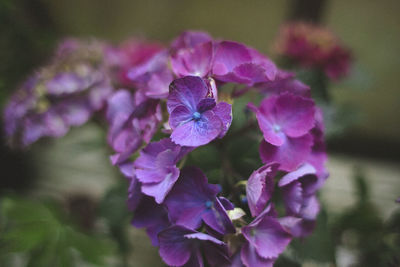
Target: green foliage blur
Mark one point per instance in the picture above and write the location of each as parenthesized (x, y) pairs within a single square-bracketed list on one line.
[(38, 234)]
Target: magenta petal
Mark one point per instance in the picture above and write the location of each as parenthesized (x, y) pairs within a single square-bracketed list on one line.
[(259, 188), (303, 170), (157, 86), (268, 123), (252, 72), (250, 258), (270, 68), (194, 61), (290, 155), (295, 114), (190, 39), (228, 56), (284, 82), (197, 133), (224, 112), (267, 236)]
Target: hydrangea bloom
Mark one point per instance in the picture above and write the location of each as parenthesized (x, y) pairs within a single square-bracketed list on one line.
[(314, 46), (196, 119), (286, 121), (133, 119), (193, 200), (265, 238), (65, 93), (180, 88), (156, 167)]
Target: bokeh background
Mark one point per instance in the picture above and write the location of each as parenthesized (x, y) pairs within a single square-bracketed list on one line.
[(364, 159)]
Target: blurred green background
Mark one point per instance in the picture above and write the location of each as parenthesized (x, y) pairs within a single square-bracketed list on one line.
[(75, 170)]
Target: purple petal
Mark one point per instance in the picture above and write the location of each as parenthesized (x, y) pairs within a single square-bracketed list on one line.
[(194, 61), (197, 133), (290, 155), (270, 68), (190, 39), (267, 236), (303, 170), (158, 85), (250, 257), (160, 190), (217, 218), (295, 114), (152, 216), (259, 188), (228, 56), (187, 91), (226, 203), (310, 208), (284, 82), (254, 73), (224, 112), (293, 198), (285, 114), (180, 115), (205, 104), (189, 197), (175, 249), (134, 194)]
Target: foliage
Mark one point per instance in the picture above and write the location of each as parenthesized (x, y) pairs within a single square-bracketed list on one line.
[(39, 234)]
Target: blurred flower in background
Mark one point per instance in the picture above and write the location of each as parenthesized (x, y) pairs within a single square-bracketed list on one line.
[(64, 93), (313, 46)]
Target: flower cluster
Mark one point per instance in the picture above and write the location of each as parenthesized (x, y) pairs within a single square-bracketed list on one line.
[(183, 214), (168, 102), (62, 94), (313, 46)]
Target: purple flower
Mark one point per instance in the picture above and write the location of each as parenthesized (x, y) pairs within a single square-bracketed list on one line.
[(133, 119), (151, 216), (156, 167), (195, 118), (180, 246), (131, 53), (194, 61), (298, 189), (266, 239), (193, 200), (285, 121), (234, 62), (190, 39), (62, 94), (153, 76), (260, 187), (313, 46), (284, 82)]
